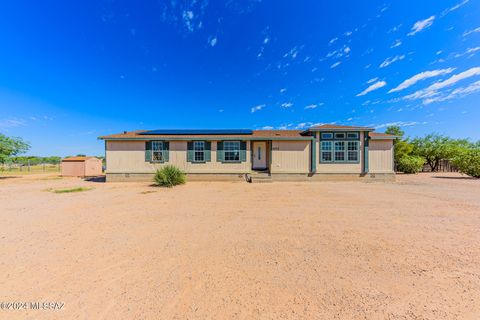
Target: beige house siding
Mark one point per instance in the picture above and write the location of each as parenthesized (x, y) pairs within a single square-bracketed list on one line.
[(129, 157), (339, 167), (380, 156), (290, 157)]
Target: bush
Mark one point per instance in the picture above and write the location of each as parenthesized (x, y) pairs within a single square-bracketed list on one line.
[(169, 176), (410, 164), (468, 162)]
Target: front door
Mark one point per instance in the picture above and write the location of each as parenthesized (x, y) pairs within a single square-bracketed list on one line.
[(259, 155)]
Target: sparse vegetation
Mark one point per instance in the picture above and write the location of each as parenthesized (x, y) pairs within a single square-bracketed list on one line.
[(169, 176), (70, 190)]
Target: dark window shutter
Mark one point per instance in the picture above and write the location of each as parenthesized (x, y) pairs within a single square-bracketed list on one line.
[(208, 149), (190, 151), (220, 153), (148, 151), (166, 151), (243, 151)]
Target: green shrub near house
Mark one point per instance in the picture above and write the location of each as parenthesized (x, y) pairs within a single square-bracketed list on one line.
[(169, 176), (468, 162), (410, 164)]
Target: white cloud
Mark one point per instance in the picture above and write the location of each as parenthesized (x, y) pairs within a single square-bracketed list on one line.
[(459, 92), (332, 41), (11, 123), (455, 7), (311, 106), (188, 19), (391, 60), (470, 51), (286, 105), (421, 76), (213, 41), (266, 40), (257, 108), (400, 124), (397, 43), (348, 33), (421, 25), (375, 86), (467, 33), (347, 50), (336, 64), (267, 128), (372, 80), (433, 90), (283, 90)]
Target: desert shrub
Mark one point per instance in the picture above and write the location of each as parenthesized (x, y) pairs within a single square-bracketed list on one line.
[(169, 176), (468, 161), (410, 164)]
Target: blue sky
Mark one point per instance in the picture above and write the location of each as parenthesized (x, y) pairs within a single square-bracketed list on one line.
[(72, 71)]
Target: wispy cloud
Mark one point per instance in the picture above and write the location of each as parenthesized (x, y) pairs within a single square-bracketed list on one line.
[(434, 90), (286, 105), (212, 41), (257, 108), (469, 32), (332, 41), (421, 76), (470, 51), (12, 123), (421, 25), (391, 60), (336, 64), (397, 43), (375, 86), (399, 123), (311, 106), (372, 80), (455, 7), (457, 93), (283, 90)]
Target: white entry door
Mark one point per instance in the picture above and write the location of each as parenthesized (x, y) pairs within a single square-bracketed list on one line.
[(259, 153)]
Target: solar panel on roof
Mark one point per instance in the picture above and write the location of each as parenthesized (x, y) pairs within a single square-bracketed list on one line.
[(198, 132)]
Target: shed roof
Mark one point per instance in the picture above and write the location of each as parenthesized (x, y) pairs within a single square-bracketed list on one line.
[(77, 159)]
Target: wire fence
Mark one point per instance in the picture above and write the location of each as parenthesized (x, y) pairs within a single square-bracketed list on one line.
[(27, 167)]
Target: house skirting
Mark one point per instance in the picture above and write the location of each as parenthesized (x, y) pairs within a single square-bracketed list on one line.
[(148, 177)]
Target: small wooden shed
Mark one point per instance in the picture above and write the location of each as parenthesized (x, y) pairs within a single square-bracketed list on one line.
[(81, 167)]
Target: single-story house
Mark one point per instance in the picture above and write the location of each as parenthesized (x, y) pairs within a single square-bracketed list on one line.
[(81, 167), (325, 151)]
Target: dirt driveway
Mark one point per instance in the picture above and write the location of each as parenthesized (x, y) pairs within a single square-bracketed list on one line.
[(326, 250)]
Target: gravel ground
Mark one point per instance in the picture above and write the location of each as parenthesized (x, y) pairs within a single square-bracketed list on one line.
[(322, 250)]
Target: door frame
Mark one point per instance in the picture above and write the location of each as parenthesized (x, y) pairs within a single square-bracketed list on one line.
[(267, 154)]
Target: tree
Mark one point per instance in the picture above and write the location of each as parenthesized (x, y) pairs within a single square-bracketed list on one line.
[(435, 147), (11, 146), (468, 161), (401, 146)]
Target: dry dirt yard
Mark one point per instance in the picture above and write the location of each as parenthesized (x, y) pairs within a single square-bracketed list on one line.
[(324, 250)]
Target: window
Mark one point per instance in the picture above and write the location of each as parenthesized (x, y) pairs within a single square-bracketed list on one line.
[(199, 151), (326, 151), (352, 150), (232, 150), (340, 135), (352, 135), (327, 135), (339, 150), (157, 151)]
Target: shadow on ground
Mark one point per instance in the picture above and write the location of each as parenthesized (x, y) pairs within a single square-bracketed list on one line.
[(455, 178), (96, 179)]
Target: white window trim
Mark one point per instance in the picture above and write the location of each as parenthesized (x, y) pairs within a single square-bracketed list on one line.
[(161, 150), (195, 151)]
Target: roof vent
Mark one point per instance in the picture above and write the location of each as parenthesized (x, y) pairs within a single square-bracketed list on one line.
[(124, 132)]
